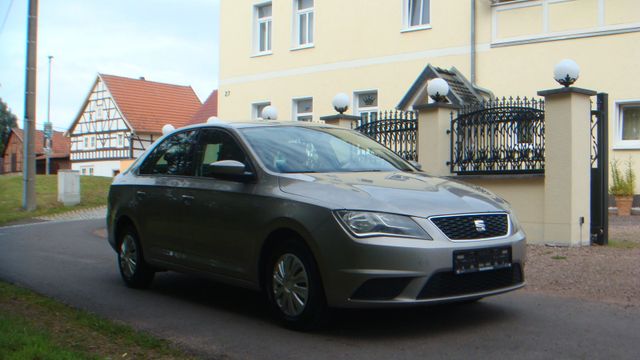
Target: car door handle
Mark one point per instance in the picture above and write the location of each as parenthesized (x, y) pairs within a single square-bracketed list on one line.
[(187, 199)]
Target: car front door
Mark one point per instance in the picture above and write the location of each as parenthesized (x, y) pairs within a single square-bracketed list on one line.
[(223, 207)]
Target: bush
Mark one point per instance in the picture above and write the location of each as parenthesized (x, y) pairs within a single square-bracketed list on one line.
[(624, 183)]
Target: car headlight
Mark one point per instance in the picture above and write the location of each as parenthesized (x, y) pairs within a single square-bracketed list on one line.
[(367, 224)]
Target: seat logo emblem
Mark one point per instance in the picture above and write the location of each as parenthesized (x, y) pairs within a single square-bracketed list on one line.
[(480, 225)]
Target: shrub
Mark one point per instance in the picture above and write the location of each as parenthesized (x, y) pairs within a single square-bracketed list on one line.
[(623, 182)]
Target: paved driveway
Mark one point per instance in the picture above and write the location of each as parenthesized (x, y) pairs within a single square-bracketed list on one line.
[(68, 261)]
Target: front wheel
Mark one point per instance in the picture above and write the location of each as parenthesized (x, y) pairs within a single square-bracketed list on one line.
[(294, 288), (133, 269)]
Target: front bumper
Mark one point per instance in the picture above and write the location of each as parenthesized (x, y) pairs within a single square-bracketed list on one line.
[(387, 271)]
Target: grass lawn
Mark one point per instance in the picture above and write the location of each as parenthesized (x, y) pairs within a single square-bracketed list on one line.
[(93, 192), (35, 327)]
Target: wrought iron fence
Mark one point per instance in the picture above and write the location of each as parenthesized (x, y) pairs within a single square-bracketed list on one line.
[(397, 130), (501, 136)]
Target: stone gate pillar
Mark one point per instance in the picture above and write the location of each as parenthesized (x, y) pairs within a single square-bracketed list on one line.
[(342, 120), (567, 184), (434, 141)]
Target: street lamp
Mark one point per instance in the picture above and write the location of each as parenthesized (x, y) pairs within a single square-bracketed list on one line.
[(214, 120), (340, 102), (167, 129), (438, 90), (270, 113), (566, 72)]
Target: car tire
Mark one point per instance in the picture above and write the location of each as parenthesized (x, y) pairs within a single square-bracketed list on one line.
[(135, 272), (294, 288)]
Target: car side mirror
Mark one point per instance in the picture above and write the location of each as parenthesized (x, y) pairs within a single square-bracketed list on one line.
[(226, 167), (228, 170), (415, 164)]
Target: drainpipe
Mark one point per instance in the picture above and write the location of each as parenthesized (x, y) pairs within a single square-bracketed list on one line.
[(473, 42)]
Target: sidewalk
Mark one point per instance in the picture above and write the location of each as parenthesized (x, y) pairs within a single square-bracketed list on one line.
[(99, 212)]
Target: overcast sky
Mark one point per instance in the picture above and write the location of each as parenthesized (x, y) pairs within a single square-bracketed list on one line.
[(173, 41)]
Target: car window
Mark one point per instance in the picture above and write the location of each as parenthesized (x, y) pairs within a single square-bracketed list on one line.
[(174, 156), (217, 145), (294, 149)]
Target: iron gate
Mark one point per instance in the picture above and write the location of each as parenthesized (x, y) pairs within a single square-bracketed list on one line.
[(600, 171), (396, 130)]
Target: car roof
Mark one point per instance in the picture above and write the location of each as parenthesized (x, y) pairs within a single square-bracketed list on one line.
[(253, 124)]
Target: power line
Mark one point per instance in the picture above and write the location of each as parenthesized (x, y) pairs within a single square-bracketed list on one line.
[(6, 16)]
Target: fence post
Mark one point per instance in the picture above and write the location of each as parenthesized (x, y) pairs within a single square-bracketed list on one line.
[(567, 181), (434, 140), (342, 120)]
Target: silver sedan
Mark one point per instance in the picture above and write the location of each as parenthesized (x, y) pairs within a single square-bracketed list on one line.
[(313, 215)]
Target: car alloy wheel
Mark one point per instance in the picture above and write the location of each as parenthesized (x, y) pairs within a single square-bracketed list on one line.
[(290, 285), (134, 270)]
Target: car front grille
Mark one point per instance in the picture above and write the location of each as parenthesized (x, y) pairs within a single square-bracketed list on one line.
[(445, 284), (472, 227)]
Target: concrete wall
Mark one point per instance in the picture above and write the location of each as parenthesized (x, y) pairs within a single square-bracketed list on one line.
[(100, 168), (526, 196)]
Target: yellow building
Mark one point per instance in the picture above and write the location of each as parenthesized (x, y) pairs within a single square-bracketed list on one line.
[(297, 54)]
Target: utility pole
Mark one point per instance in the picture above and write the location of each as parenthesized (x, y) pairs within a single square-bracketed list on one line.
[(48, 128), (29, 168)]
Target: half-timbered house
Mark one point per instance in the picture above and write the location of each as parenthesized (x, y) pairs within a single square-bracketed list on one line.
[(121, 117)]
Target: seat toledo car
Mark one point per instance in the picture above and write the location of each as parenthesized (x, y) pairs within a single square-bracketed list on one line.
[(315, 216)]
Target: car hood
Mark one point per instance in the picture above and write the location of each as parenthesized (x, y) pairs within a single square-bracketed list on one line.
[(415, 194)]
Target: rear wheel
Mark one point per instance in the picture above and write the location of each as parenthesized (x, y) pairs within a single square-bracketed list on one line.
[(134, 270), (294, 288)]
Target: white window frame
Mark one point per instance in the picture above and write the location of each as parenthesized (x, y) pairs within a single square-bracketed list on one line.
[(406, 16), (294, 112), (358, 111), (255, 109), (120, 140), (297, 15), (619, 143), (256, 31)]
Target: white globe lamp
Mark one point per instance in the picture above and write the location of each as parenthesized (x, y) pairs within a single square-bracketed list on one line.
[(270, 113), (438, 89), (566, 72), (214, 120), (340, 102), (167, 129)]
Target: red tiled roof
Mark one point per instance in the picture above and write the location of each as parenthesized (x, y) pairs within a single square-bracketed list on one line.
[(149, 105), (207, 110), (61, 143)]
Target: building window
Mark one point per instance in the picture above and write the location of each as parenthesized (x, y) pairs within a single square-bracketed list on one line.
[(93, 142), (86, 142), (256, 110), (416, 14), (303, 22), (90, 171), (120, 139), (366, 105), (84, 171), (629, 124), (263, 28), (303, 109)]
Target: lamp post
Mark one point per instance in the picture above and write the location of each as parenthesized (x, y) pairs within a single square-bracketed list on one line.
[(270, 113), (340, 102), (438, 89), (566, 72), (48, 131)]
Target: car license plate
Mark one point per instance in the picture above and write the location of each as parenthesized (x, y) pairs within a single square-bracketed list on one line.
[(469, 261)]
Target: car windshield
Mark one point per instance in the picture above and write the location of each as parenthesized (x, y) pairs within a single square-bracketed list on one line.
[(296, 149)]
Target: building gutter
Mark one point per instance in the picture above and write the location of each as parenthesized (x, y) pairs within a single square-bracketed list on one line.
[(473, 42)]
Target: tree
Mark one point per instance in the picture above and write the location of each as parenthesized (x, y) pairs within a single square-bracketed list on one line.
[(7, 121)]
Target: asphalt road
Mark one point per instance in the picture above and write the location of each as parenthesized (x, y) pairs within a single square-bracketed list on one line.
[(69, 262)]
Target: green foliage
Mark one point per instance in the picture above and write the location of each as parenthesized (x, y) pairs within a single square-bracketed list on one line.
[(7, 121), (623, 182)]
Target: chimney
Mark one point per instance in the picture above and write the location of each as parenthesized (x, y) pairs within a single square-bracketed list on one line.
[(142, 78)]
